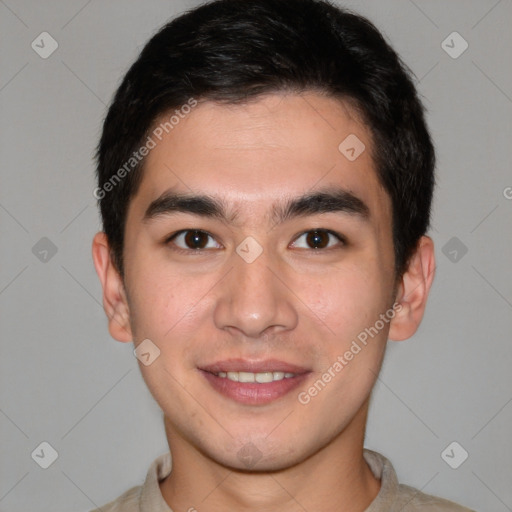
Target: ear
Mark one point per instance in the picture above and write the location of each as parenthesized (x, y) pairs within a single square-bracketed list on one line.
[(115, 302), (413, 291)]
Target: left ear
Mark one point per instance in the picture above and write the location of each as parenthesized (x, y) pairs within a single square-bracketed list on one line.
[(413, 291)]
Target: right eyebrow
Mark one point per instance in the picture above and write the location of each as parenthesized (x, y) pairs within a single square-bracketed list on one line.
[(173, 202)]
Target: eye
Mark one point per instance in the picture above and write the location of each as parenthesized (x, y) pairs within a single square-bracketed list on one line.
[(193, 239), (319, 239)]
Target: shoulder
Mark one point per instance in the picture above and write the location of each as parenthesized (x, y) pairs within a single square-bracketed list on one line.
[(146, 497), (399, 497), (411, 499), (127, 502)]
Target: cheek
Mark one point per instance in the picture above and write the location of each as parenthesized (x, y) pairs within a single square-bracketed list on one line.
[(164, 300), (348, 300)]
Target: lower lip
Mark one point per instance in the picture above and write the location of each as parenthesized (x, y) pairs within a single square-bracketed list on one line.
[(254, 393)]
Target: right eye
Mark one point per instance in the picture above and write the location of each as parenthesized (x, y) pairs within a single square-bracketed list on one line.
[(188, 240)]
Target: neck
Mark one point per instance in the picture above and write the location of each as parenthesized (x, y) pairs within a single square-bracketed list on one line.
[(335, 478)]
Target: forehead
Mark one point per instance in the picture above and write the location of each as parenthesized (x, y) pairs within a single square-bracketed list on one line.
[(255, 153)]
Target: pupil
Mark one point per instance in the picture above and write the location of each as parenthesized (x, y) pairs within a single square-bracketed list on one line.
[(315, 238), (193, 239)]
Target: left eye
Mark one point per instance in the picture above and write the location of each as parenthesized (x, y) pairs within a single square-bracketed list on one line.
[(318, 239)]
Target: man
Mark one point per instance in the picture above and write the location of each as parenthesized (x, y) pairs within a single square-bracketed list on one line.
[(265, 178)]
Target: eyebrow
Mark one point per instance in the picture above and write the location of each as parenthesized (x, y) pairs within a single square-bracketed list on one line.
[(328, 200)]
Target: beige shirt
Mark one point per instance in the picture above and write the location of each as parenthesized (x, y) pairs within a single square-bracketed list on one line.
[(392, 497)]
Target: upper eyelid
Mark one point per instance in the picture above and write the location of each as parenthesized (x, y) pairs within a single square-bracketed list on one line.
[(181, 231)]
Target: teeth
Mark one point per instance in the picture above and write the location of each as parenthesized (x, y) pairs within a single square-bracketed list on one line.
[(246, 377), (262, 377)]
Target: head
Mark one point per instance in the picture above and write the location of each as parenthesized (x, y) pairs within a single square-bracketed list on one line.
[(288, 136)]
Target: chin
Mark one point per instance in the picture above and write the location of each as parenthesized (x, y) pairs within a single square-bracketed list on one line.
[(258, 455)]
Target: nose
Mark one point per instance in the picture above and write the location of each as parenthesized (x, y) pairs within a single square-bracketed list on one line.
[(253, 301)]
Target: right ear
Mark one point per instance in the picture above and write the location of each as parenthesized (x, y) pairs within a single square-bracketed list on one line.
[(115, 302)]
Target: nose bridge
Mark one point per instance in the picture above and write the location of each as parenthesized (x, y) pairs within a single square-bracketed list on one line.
[(252, 299)]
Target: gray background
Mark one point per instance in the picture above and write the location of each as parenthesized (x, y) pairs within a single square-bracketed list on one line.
[(65, 381)]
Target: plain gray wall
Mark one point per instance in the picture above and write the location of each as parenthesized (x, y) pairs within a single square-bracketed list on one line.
[(65, 381)]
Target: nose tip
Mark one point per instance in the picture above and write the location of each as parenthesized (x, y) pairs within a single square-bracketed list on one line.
[(253, 302)]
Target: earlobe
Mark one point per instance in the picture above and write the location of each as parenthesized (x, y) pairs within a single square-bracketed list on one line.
[(115, 302), (413, 291)]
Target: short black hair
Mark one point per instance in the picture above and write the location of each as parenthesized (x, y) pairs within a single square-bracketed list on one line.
[(234, 50)]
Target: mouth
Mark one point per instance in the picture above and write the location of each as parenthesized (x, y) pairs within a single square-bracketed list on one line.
[(254, 383)]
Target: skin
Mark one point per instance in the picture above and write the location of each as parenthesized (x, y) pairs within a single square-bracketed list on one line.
[(294, 303)]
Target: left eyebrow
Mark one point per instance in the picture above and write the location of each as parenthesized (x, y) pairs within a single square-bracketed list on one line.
[(327, 200)]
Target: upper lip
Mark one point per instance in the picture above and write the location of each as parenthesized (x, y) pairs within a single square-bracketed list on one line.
[(246, 365)]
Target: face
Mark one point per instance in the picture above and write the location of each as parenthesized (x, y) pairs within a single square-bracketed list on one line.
[(272, 273)]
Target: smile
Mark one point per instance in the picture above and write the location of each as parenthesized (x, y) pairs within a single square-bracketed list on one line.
[(254, 382)]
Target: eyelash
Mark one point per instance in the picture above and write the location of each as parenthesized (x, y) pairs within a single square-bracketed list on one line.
[(169, 239)]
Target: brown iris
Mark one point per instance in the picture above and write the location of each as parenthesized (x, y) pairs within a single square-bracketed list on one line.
[(318, 239), (196, 239)]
